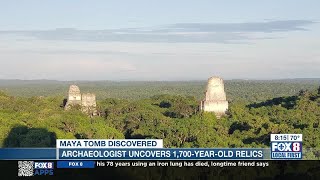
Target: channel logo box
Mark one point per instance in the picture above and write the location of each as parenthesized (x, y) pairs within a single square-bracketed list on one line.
[(286, 146)]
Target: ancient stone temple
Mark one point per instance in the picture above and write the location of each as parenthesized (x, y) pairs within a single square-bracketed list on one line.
[(215, 97), (74, 96), (86, 101)]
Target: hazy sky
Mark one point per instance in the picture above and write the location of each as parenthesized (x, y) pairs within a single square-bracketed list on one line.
[(159, 40)]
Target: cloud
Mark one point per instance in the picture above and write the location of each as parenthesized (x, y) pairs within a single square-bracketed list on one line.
[(266, 27), (175, 33)]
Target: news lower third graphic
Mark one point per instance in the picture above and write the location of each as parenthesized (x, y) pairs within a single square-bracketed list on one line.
[(146, 150), (92, 153), (286, 146), (282, 146)]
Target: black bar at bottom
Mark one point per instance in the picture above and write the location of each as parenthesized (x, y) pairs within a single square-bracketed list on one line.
[(189, 170)]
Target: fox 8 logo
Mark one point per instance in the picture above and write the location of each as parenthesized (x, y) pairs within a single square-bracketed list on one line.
[(43, 165), (286, 146)]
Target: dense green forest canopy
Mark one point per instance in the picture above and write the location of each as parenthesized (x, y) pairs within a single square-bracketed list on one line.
[(31, 113)]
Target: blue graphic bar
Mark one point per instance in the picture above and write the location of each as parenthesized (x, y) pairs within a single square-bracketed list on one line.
[(76, 164), (28, 153), (162, 154), (134, 154)]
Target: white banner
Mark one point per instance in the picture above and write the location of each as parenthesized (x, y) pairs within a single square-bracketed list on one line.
[(109, 143), (286, 138)]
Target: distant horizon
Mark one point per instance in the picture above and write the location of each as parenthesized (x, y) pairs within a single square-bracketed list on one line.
[(191, 80)]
